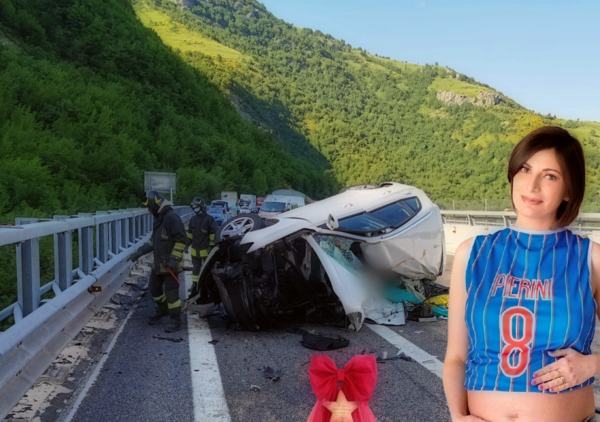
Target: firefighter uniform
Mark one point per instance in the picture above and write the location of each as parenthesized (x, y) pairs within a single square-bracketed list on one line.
[(201, 233), (167, 242)]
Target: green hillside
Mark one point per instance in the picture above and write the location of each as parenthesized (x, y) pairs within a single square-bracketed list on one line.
[(90, 98), (373, 118)]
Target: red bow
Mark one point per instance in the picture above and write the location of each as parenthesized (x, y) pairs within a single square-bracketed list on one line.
[(357, 379)]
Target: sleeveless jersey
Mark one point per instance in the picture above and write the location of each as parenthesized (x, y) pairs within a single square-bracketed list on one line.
[(528, 293)]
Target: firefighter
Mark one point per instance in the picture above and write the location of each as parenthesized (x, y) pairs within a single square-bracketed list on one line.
[(201, 234), (168, 242)]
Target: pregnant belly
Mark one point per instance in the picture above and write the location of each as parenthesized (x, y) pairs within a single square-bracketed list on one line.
[(499, 406)]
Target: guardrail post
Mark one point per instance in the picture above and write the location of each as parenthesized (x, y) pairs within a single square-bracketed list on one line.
[(115, 236), (28, 272), (124, 233), (86, 247), (131, 233), (63, 257), (102, 240)]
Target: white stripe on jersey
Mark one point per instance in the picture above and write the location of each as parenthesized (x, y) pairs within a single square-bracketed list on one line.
[(486, 308)]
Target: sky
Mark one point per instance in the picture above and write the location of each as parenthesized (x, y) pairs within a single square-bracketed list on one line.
[(545, 55)]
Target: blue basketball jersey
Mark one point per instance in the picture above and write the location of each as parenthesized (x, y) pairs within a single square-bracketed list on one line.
[(528, 293)]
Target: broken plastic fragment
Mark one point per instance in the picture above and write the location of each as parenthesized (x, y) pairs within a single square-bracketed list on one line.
[(272, 374), (321, 342), (174, 340)]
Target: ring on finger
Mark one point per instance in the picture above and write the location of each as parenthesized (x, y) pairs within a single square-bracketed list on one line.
[(564, 381)]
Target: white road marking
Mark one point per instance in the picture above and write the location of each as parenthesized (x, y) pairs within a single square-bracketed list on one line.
[(207, 386), (84, 391), (409, 349)]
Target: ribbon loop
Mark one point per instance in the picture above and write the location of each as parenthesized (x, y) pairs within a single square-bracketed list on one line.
[(358, 378)]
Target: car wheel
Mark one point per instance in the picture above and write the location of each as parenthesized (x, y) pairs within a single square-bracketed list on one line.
[(237, 227)]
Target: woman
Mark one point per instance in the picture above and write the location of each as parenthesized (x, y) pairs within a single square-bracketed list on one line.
[(523, 300)]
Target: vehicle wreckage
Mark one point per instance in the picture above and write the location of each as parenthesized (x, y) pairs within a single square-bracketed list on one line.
[(327, 261)]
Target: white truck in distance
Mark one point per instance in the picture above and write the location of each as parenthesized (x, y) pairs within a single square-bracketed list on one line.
[(276, 204), (231, 198), (247, 202)]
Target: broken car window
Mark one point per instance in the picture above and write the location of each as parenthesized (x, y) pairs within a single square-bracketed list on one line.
[(413, 203), (396, 214), (363, 223)]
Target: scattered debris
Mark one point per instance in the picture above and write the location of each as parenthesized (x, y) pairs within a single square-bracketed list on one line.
[(322, 342), (400, 356), (407, 358), (121, 300), (429, 319), (174, 340), (254, 387), (213, 342), (55, 374), (271, 374)]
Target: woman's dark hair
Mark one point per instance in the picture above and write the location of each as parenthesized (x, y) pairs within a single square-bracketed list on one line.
[(570, 158)]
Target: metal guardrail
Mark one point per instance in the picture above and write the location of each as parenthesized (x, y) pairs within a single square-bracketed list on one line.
[(584, 223), (43, 329)]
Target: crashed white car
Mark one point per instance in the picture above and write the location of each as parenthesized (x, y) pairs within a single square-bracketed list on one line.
[(323, 260)]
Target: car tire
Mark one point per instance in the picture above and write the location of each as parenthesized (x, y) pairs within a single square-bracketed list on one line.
[(237, 227)]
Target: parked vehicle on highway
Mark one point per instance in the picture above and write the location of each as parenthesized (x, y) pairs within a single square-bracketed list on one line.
[(274, 205), (217, 213), (247, 203), (223, 204), (230, 197), (325, 260)]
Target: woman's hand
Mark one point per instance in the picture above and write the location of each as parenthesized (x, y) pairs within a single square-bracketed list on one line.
[(572, 369)]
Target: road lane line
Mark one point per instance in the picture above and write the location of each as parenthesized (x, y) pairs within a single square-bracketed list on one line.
[(430, 362), (92, 379), (207, 386)]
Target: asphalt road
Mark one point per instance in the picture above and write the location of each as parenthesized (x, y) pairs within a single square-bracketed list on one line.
[(144, 374), (145, 378)]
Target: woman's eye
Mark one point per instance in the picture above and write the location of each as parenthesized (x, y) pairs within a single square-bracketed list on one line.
[(524, 170), (551, 177)]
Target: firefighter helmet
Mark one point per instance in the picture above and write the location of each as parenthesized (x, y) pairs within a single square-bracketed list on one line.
[(153, 201), (198, 202)]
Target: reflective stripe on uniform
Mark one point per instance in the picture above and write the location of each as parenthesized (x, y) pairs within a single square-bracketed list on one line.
[(177, 254), (203, 253), (160, 298), (212, 240), (176, 304), (195, 278), (178, 246), (190, 236)]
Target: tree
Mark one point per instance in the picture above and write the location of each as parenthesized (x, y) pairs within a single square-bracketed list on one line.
[(259, 183)]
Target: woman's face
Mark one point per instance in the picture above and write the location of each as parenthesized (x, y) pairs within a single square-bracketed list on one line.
[(539, 188)]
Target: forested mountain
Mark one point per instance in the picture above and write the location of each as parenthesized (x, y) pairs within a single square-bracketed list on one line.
[(90, 98), (373, 118)]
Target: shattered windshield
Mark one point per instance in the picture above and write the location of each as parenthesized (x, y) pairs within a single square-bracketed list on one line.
[(273, 206)]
